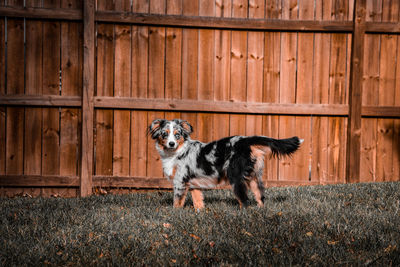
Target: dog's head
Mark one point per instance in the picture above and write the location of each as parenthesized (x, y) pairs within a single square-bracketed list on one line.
[(170, 135)]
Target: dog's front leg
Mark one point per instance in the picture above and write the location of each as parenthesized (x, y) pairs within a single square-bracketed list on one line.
[(197, 197), (180, 192)]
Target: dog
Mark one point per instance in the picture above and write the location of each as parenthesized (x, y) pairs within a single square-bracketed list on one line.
[(235, 160)]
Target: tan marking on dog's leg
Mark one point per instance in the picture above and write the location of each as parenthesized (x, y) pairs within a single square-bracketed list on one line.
[(197, 197), (180, 201), (256, 191)]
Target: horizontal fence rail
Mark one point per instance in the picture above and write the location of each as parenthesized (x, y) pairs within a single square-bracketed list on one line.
[(203, 22)]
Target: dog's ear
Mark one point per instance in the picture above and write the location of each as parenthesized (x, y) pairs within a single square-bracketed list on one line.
[(186, 127), (154, 129)]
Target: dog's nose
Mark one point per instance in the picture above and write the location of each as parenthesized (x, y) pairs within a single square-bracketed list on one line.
[(171, 144)]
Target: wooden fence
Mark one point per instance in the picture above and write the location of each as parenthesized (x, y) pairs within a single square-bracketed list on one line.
[(81, 80)]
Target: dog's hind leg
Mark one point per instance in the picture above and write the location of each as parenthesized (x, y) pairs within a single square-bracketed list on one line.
[(240, 191), (257, 188)]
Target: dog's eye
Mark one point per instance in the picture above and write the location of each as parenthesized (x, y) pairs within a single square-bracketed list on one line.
[(177, 135), (164, 135)]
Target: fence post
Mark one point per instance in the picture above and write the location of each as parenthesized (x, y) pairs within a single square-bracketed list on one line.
[(87, 97), (353, 155)]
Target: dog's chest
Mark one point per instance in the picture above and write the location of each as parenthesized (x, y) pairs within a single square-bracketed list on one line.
[(169, 166)]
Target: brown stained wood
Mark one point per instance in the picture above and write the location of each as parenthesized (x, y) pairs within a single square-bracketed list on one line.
[(14, 140), (3, 140), (71, 81), (121, 142), (51, 129), (386, 96), (71, 58), (41, 100), (222, 107), (173, 63), (387, 68), (156, 62), (15, 56), (189, 63), (69, 141), (205, 127), (255, 60), (104, 142), (133, 182), (87, 98), (384, 164), (287, 129), (140, 6), (368, 150), (122, 85), (34, 85), (42, 13), (39, 180), (140, 53), (222, 68), (173, 54), (206, 64), (396, 150), (223, 23), (105, 87), (288, 68), (174, 7), (153, 163), (2, 56), (337, 149), (33, 141), (302, 159), (138, 147)]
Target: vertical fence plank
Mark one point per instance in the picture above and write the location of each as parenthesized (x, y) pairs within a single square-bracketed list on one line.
[(122, 86), (34, 85), (386, 97), (190, 39), (205, 72), (287, 124), (173, 55), (51, 69), (87, 97), (319, 165), (15, 85), (304, 85), (238, 82), (255, 60), (71, 84), (140, 48), (272, 56), (105, 87), (222, 47)]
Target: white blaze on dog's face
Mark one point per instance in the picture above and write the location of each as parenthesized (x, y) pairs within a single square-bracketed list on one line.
[(170, 135)]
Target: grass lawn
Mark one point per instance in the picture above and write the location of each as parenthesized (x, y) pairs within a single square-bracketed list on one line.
[(321, 225)]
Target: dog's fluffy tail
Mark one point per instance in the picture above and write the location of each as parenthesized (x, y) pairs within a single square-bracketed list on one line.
[(279, 147)]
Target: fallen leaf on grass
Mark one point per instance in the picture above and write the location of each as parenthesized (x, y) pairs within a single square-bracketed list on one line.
[(332, 242), (195, 236), (212, 244), (173, 260), (247, 233), (167, 225), (309, 234)]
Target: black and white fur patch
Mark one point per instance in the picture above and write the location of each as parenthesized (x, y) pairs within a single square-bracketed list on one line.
[(235, 160)]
